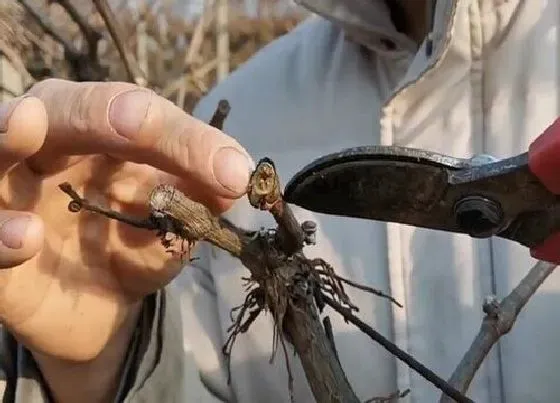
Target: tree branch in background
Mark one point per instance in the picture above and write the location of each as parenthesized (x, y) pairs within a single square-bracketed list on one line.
[(499, 320), (133, 71), (193, 51), (45, 23), (84, 65), (91, 36)]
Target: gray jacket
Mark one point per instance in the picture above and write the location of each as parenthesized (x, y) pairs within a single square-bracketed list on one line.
[(490, 85)]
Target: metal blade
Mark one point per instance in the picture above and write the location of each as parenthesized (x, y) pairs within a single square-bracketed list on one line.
[(379, 183)]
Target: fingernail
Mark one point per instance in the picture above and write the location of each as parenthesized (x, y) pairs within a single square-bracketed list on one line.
[(232, 169), (12, 232), (128, 111), (6, 110)]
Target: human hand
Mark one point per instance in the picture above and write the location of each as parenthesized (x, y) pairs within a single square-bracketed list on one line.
[(68, 281)]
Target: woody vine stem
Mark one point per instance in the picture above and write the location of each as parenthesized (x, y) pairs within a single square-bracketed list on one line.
[(295, 289)]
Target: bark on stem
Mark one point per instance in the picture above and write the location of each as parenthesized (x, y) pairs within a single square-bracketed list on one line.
[(303, 326), (264, 193), (499, 320)]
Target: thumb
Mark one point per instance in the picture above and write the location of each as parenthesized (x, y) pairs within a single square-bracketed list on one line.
[(21, 237)]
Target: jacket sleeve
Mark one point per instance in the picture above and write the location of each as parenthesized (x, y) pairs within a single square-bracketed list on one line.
[(157, 367), (160, 366), (199, 304)]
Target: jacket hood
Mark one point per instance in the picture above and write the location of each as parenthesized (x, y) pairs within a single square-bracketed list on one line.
[(365, 21)]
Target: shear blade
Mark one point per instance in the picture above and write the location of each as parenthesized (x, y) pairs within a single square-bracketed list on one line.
[(380, 183)]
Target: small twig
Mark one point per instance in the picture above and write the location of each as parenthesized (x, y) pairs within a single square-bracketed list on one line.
[(196, 42), (220, 115), (393, 397), (498, 321), (189, 75), (78, 203), (134, 73), (264, 193), (362, 287), (409, 360)]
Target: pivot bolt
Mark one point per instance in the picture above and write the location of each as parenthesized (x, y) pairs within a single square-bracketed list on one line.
[(477, 216)]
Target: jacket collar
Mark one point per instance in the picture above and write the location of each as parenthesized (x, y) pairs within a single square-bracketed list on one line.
[(368, 22)]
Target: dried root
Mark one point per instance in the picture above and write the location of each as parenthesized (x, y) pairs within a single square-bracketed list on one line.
[(169, 240), (277, 293), (242, 317), (272, 294)]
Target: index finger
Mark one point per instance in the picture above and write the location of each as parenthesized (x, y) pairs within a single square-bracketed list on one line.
[(135, 124)]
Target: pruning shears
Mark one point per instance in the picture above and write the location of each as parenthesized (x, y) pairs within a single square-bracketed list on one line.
[(516, 198)]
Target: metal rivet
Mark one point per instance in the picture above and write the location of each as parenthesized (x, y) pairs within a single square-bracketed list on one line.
[(477, 216)]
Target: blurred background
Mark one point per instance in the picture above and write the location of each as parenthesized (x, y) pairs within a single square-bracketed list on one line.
[(179, 48)]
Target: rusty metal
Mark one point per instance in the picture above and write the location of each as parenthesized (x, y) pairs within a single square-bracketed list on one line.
[(430, 190)]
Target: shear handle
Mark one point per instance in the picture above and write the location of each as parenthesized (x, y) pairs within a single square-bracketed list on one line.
[(544, 163)]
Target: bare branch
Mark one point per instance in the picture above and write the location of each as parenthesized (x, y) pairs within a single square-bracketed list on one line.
[(85, 66), (220, 115), (409, 360), (133, 71), (78, 203), (91, 36), (365, 288), (190, 75), (498, 321), (264, 193), (198, 35), (199, 224), (47, 26)]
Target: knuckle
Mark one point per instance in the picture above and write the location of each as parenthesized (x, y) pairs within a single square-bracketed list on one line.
[(79, 110), (40, 87)]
